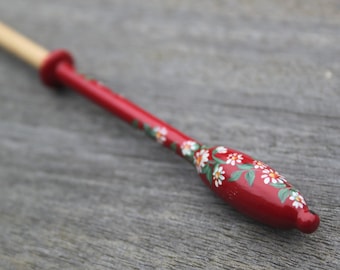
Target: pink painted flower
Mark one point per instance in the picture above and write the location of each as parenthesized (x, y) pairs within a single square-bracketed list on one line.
[(200, 159), (271, 176), (298, 200), (259, 164), (218, 176), (160, 134), (234, 158)]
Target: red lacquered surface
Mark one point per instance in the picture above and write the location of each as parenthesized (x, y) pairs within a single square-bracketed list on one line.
[(249, 185)]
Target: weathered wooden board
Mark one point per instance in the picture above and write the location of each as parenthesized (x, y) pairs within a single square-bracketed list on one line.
[(81, 190)]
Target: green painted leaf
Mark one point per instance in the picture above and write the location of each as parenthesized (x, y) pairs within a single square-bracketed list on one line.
[(245, 166), (216, 167), (284, 193), (135, 123), (209, 175), (220, 161), (195, 147), (292, 189), (148, 130), (235, 176), (278, 185), (173, 147), (250, 177), (205, 168)]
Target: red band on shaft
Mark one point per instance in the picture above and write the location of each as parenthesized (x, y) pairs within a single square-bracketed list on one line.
[(48, 69)]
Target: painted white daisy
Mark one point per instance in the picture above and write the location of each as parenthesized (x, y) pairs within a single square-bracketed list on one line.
[(188, 147), (218, 176), (298, 200), (160, 134), (271, 176), (259, 164), (221, 150), (234, 158), (200, 159)]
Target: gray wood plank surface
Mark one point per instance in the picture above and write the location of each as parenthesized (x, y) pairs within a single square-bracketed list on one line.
[(79, 189)]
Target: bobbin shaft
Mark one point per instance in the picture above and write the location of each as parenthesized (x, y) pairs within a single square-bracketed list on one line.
[(22, 47), (56, 68), (159, 130)]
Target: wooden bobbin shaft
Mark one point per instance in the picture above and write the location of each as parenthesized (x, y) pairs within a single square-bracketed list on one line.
[(22, 47)]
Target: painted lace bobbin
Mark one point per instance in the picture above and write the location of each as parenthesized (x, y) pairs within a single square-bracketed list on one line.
[(249, 185)]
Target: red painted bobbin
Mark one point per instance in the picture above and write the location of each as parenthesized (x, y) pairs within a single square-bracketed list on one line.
[(249, 185)]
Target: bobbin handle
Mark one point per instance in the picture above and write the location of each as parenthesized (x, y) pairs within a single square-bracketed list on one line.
[(22, 47)]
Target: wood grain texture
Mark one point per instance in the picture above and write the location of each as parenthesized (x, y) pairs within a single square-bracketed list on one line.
[(81, 190)]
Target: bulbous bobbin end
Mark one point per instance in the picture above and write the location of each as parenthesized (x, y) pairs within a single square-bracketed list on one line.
[(307, 221), (251, 186)]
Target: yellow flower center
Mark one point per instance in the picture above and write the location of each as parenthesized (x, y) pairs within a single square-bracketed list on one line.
[(234, 158), (274, 175), (198, 160)]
